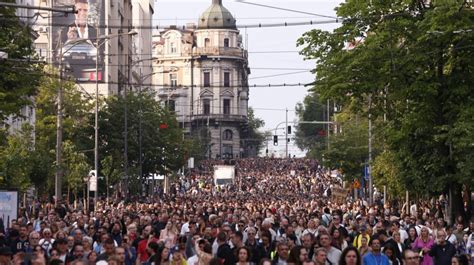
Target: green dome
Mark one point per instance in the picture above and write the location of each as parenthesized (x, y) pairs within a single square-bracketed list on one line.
[(216, 17)]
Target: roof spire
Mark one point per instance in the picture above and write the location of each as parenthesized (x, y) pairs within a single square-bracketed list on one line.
[(217, 2)]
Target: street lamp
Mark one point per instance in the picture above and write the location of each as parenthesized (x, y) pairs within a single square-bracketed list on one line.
[(59, 126)]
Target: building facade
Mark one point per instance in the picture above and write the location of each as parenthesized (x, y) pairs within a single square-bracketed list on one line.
[(202, 75)]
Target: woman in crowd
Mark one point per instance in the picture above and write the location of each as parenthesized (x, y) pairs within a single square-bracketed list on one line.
[(338, 241), (162, 256), (350, 256), (243, 256), (389, 251), (169, 235), (298, 255), (412, 236), (423, 245)]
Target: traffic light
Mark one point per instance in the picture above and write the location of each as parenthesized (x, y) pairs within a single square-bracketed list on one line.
[(289, 129), (275, 139)]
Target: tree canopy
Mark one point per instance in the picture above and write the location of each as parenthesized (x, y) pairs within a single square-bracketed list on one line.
[(410, 62)]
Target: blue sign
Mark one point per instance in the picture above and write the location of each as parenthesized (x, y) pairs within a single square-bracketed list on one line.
[(366, 172)]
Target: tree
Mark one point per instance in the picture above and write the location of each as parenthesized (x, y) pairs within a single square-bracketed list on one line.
[(253, 138), (15, 160), (312, 137), (19, 77), (348, 149), (77, 133), (162, 147), (411, 61)]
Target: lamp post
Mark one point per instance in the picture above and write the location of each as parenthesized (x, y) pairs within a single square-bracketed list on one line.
[(59, 125)]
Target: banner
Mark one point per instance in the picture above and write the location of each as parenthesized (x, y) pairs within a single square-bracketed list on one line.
[(92, 180), (8, 207), (74, 39)]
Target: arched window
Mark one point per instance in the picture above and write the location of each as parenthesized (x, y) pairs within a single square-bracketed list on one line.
[(227, 135), (226, 42), (207, 42)]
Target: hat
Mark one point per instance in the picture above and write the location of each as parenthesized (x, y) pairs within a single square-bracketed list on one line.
[(61, 241), (5, 251)]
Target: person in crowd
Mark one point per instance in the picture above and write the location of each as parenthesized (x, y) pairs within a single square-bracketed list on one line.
[(265, 211), (389, 251), (243, 256), (350, 256), (320, 256), (338, 241), (412, 236), (443, 251), (333, 254), (109, 247), (281, 254), (298, 256), (224, 252), (169, 235), (460, 260), (423, 245), (162, 256), (375, 256), (411, 257)]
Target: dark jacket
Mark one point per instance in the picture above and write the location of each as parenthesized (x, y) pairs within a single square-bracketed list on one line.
[(225, 253), (442, 255)]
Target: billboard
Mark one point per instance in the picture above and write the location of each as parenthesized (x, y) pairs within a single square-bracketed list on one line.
[(8, 207), (75, 39)]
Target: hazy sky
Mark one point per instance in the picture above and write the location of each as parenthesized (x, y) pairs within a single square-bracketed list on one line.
[(268, 47)]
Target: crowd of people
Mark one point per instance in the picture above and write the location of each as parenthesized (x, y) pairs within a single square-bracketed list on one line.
[(278, 211)]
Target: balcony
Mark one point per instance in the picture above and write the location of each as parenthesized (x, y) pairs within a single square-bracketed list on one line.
[(221, 51), (219, 117)]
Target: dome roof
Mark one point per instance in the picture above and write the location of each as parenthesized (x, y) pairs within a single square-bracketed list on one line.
[(216, 17)]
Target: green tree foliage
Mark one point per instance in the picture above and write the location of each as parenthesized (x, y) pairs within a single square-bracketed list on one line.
[(162, 145), (312, 137), (16, 160), (414, 61), (18, 76), (348, 149), (76, 138), (255, 138), (77, 167)]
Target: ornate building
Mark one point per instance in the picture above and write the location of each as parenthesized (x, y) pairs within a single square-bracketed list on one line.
[(202, 75)]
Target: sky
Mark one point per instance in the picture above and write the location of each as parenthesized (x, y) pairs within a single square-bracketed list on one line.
[(268, 47)]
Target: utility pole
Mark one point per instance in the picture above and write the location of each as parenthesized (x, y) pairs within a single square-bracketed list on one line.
[(286, 133), (59, 130), (125, 133), (96, 127), (328, 125), (371, 192)]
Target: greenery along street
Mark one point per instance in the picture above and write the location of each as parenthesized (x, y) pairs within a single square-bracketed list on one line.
[(410, 65)]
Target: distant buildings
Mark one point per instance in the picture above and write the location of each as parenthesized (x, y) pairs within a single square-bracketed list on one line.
[(119, 56), (201, 73)]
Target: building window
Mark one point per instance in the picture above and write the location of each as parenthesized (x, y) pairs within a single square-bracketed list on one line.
[(227, 151), (226, 79), (226, 42), (173, 80), (226, 106), (227, 135), (170, 105), (173, 47), (207, 42), (206, 106), (207, 79)]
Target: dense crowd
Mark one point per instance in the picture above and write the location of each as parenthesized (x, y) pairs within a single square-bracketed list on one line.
[(279, 211)]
